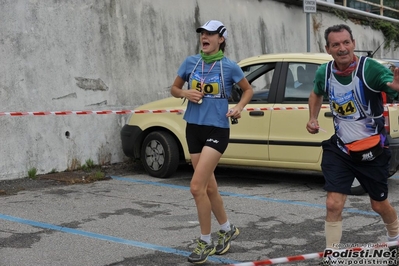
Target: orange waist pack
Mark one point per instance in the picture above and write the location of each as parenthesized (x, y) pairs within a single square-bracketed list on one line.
[(366, 149)]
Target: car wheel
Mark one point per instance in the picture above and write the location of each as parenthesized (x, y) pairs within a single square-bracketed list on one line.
[(356, 188), (160, 154)]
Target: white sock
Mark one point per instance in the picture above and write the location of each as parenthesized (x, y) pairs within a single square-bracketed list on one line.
[(206, 238), (395, 238), (226, 226)]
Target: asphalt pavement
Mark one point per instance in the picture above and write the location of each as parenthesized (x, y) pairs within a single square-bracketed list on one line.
[(140, 220)]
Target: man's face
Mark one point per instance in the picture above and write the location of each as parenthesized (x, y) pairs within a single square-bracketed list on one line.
[(341, 47)]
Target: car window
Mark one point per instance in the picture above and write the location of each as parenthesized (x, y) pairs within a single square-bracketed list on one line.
[(390, 62), (261, 86), (250, 69), (299, 82), (260, 77)]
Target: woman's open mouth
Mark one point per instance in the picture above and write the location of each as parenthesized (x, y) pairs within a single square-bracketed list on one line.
[(205, 44)]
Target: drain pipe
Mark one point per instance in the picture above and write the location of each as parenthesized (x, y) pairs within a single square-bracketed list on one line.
[(356, 11)]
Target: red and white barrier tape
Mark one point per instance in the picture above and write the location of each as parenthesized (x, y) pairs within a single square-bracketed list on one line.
[(311, 255), (155, 111), (123, 112), (105, 112)]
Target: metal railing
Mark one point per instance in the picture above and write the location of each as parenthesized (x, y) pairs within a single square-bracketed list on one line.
[(387, 8), (339, 5)]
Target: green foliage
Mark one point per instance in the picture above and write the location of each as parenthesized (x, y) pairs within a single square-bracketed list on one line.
[(341, 14), (99, 175), (85, 168), (32, 173), (90, 163), (390, 31)]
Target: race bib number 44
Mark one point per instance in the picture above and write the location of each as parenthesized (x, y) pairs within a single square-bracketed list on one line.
[(344, 109)]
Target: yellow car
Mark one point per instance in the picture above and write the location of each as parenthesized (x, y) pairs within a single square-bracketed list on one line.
[(271, 132)]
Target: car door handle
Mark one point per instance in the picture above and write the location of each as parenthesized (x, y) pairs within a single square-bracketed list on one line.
[(328, 114), (256, 113)]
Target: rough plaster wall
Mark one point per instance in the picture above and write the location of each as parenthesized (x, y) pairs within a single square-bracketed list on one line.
[(117, 54)]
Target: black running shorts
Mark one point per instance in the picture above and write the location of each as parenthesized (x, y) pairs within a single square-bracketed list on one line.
[(198, 136), (339, 171)]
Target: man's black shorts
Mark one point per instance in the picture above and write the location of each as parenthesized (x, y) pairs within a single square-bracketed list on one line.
[(198, 136), (339, 171)]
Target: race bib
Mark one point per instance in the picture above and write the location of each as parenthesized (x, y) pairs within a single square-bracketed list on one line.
[(344, 105), (210, 86), (346, 109)]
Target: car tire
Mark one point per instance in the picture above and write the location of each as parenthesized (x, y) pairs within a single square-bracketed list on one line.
[(356, 188), (160, 154)]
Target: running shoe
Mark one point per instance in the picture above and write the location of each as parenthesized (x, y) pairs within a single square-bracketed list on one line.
[(201, 252), (224, 239)]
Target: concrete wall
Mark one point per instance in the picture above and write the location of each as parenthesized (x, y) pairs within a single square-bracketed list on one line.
[(117, 54)]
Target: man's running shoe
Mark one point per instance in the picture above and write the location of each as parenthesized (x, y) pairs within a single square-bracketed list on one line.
[(201, 252), (224, 239)]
